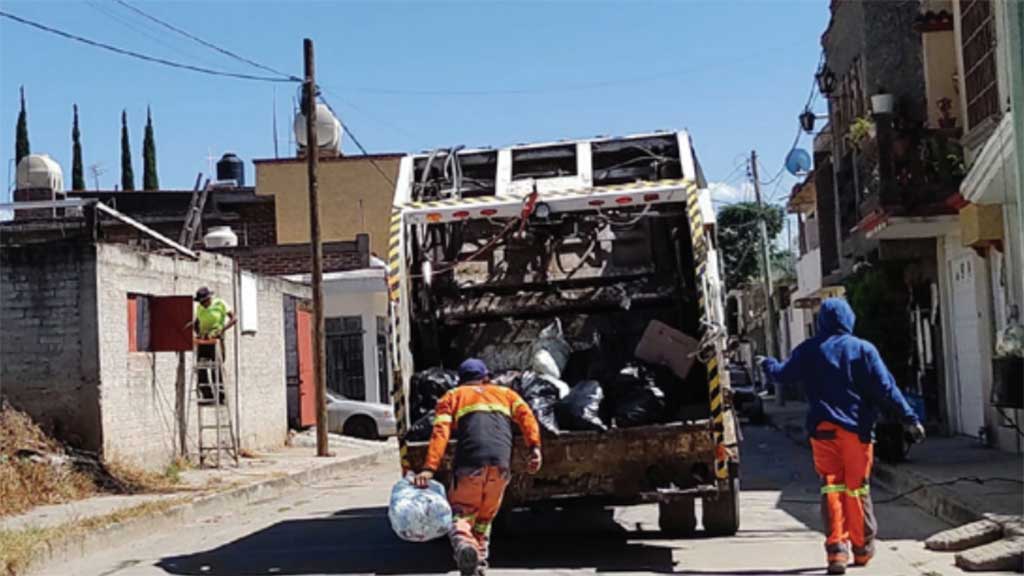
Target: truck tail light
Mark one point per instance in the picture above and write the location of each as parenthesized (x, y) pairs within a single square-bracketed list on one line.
[(488, 212), (623, 200), (651, 197), (461, 214), (596, 202), (433, 217)]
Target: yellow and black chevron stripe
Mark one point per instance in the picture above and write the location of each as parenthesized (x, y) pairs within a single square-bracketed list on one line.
[(394, 331), (715, 397), (631, 187)]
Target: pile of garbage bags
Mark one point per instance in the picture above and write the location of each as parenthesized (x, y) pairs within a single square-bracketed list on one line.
[(419, 515), (625, 398)]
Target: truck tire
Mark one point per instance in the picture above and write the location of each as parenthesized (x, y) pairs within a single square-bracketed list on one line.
[(722, 515), (678, 518)]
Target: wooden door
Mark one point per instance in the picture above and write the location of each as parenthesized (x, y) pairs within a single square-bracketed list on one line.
[(304, 341)]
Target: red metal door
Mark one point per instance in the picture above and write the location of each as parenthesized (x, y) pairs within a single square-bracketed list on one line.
[(307, 395)]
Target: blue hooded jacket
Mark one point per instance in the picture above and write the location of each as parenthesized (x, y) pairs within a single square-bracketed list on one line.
[(844, 377)]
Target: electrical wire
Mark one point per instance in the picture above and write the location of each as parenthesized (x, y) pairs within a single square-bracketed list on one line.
[(139, 55), (134, 27), (355, 140), (209, 45), (799, 129)]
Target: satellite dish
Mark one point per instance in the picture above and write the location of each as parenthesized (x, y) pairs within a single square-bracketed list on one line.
[(798, 162)]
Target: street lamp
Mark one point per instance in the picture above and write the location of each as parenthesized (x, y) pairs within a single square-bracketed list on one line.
[(808, 118), (826, 80)]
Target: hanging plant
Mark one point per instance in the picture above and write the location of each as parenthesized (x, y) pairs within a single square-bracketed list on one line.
[(862, 130)]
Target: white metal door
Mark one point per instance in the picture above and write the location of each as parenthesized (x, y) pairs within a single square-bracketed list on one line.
[(967, 342)]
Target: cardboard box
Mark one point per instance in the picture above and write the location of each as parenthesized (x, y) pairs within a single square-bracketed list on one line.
[(664, 345)]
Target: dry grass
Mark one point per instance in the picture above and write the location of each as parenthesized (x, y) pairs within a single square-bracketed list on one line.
[(27, 478), (17, 547), (124, 478)]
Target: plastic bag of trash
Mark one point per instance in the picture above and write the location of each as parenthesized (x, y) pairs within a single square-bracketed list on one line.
[(419, 515), (581, 409), (635, 399), (541, 393), (421, 429), (508, 379), (551, 351), (427, 387)]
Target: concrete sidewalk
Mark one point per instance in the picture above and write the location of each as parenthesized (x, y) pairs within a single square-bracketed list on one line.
[(62, 532), (955, 479)]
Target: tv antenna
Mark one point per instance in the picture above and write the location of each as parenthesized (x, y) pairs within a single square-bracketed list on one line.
[(97, 170)]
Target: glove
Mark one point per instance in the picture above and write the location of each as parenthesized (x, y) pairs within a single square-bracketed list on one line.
[(916, 432)]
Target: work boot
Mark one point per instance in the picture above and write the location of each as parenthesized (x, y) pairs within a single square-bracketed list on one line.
[(836, 567), (481, 569), (862, 560), (467, 558)]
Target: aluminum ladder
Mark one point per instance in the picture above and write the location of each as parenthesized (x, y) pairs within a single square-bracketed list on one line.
[(212, 396)]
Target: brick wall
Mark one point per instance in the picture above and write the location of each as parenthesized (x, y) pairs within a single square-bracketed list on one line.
[(258, 226), (142, 392), (290, 259), (48, 338)]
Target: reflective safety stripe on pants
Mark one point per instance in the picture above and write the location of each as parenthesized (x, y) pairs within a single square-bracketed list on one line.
[(844, 463), (475, 497)]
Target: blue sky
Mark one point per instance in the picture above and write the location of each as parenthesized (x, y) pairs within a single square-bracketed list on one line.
[(413, 76)]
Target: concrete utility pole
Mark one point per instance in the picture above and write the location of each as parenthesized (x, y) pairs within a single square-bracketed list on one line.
[(312, 165), (766, 263)]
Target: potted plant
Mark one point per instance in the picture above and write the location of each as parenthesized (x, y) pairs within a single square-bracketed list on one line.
[(862, 131), (1008, 368), (883, 102)]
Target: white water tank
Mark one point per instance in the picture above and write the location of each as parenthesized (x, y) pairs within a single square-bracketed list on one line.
[(328, 129), (39, 171), (220, 237)]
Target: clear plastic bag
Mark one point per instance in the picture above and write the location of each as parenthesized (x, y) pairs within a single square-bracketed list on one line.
[(551, 351), (419, 514)]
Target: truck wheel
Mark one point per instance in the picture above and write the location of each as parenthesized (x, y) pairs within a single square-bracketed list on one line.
[(722, 514), (677, 518)]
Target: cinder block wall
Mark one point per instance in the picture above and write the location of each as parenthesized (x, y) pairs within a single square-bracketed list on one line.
[(48, 337), (141, 392)]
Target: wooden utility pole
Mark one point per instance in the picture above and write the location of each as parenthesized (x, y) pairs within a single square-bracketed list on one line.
[(766, 264), (312, 166)]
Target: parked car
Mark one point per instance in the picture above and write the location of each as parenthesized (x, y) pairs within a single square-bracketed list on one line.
[(360, 419)]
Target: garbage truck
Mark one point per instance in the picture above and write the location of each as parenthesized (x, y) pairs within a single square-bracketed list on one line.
[(611, 240)]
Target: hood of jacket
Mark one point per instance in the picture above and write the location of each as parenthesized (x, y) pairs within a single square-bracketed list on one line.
[(835, 317)]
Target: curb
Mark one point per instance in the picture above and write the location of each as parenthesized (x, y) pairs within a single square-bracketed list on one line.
[(65, 550), (938, 501)]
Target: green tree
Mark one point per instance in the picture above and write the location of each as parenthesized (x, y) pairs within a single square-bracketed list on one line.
[(21, 146), (739, 240), (77, 172), (149, 178), (127, 175)]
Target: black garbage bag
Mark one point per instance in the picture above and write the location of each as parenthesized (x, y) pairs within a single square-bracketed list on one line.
[(581, 409), (427, 387), (508, 379), (421, 428), (541, 395), (636, 400)]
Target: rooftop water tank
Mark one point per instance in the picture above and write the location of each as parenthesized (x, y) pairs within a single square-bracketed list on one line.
[(231, 167), (39, 171), (220, 237), (328, 129)]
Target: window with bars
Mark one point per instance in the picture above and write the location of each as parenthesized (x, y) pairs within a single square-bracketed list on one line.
[(978, 43), (344, 342)]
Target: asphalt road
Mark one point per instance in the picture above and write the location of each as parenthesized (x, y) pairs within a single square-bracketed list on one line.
[(340, 527)]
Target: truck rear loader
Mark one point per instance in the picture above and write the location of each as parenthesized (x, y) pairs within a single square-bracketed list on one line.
[(608, 236)]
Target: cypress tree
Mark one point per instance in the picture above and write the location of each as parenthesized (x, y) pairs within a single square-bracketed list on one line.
[(127, 176), (77, 174), (21, 146), (149, 178)]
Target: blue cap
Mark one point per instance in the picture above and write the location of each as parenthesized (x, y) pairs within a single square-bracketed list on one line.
[(472, 370)]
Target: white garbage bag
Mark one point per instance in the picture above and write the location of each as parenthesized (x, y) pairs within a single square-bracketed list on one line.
[(551, 352), (419, 515)]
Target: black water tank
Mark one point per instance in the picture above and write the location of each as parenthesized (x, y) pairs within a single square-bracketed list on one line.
[(231, 167)]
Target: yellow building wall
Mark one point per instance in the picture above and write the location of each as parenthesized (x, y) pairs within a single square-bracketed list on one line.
[(940, 73), (354, 198)]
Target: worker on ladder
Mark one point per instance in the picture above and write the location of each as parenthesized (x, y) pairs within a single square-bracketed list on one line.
[(213, 317)]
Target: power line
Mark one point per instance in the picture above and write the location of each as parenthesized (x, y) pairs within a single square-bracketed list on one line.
[(358, 144), (139, 55), (209, 45), (675, 73), (799, 129)]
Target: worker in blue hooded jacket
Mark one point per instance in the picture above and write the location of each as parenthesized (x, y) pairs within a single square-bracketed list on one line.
[(846, 384)]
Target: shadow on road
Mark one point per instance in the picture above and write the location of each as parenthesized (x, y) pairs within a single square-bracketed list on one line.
[(360, 541)]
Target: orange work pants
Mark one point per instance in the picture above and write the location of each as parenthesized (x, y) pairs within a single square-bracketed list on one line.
[(475, 498), (843, 461)]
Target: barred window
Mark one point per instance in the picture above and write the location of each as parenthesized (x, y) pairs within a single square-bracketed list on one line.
[(978, 44)]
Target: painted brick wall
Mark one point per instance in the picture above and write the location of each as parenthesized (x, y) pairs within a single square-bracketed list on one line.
[(141, 391), (48, 345)]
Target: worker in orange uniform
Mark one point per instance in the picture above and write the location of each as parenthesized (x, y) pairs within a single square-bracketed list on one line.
[(481, 414), (846, 383)]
